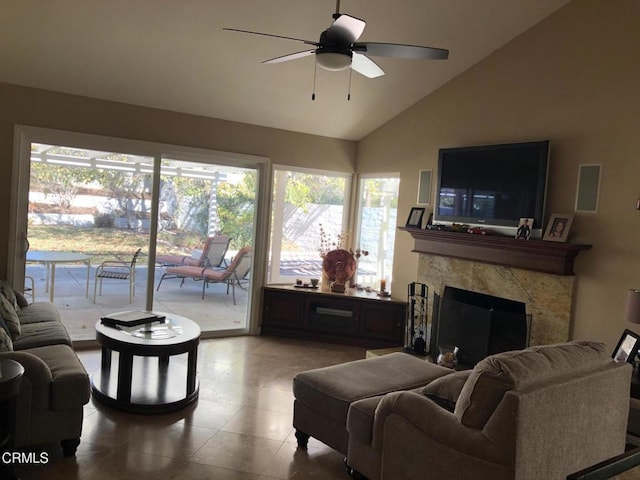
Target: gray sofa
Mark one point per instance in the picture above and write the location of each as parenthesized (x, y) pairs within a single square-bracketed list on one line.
[(55, 385), (543, 412)]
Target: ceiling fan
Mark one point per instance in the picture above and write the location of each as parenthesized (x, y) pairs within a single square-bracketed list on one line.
[(338, 48)]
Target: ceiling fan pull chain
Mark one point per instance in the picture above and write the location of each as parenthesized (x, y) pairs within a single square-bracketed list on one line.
[(349, 94), (315, 69)]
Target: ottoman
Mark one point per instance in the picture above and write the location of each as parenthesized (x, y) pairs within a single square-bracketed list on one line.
[(323, 395)]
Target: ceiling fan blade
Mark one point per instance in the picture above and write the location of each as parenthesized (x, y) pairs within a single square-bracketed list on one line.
[(291, 56), (401, 51), (365, 66), (308, 42), (346, 29)]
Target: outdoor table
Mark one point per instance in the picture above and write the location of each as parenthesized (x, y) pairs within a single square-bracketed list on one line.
[(50, 259)]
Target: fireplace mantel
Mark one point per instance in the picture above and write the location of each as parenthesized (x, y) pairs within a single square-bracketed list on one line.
[(537, 255)]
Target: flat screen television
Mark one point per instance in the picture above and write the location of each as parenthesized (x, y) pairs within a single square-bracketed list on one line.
[(492, 186)]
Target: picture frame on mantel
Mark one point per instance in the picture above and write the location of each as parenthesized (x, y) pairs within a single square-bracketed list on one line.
[(558, 227), (415, 217)]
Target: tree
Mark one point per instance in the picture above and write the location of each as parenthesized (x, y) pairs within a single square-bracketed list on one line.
[(128, 189), (305, 188), (59, 181), (236, 207)]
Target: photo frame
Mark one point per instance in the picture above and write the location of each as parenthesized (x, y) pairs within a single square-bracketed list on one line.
[(627, 347), (523, 232), (415, 217), (558, 227)]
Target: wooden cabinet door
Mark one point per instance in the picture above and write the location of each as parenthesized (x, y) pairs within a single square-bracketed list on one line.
[(282, 309), (383, 322)]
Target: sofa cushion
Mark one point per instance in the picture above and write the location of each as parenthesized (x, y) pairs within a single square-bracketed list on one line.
[(497, 374), (10, 316), (8, 292), (42, 334), (38, 312), (69, 380), (445, 390), (330, 390)]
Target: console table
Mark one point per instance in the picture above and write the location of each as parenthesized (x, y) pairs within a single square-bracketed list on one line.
[(355, 317)]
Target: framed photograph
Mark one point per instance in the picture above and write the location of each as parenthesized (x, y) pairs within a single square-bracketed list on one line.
[(558, 227), (524, 228), (627, 347), (415, 217)]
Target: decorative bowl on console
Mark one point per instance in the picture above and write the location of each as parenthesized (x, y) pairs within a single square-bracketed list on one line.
[(338, 266)]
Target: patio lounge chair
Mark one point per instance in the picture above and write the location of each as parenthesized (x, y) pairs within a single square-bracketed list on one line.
[(213, 252), (117, 270), (240, 265)]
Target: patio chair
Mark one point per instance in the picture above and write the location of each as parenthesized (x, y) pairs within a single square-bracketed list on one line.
[(213, 252), (240, 264), (117, 270)]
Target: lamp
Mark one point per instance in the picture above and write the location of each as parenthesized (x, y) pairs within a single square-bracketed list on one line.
[(632, 313), (333, 60)]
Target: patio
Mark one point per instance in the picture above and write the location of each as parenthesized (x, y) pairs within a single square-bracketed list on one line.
[(79, 314)]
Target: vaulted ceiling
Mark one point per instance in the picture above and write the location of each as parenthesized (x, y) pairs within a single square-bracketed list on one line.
[(174, 54)]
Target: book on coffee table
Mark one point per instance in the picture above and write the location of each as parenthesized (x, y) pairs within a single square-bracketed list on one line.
[(131, 318)]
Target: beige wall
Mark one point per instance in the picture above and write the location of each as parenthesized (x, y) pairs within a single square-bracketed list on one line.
[(40, 108), (573, 79)]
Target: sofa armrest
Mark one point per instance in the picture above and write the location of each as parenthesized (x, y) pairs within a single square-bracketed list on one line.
[(37, 373), (435, 422)]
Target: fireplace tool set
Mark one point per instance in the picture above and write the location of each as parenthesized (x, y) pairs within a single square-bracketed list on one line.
[(416, 341)]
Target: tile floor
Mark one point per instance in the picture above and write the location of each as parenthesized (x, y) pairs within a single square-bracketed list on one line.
[(240, 428)]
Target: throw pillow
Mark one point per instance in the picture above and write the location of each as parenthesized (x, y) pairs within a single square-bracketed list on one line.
[(10, 316), (7, 292), (445, 391), (6, 345)]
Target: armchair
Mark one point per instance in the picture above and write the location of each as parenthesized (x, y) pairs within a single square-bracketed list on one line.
[(543, 412)]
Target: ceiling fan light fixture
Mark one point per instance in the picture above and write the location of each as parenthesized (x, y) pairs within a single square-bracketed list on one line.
[(333, 61)]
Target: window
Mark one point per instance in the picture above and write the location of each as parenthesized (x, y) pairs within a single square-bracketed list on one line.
[(303, 201), (377, 213)]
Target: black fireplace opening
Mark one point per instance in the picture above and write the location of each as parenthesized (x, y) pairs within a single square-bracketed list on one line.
[(478, 324)]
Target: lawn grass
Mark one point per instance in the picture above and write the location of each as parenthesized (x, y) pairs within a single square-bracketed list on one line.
[(107, 243)]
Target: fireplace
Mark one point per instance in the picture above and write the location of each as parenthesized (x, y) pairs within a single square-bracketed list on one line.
[(548, 297), (478, 324)]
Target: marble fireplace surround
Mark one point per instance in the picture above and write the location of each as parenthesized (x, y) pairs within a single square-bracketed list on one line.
[(548, 298), (537, 273)]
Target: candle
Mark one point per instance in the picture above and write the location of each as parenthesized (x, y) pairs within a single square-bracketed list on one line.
[(383, 284)]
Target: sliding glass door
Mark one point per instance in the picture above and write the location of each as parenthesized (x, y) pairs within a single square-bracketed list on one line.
[(82, 212), (204, 242)]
